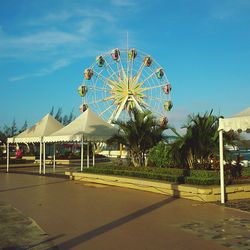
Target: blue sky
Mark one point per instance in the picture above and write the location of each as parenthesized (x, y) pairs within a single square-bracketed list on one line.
[(45, 46)]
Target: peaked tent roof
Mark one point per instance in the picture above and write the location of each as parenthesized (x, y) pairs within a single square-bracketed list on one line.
[(88, 125), (46, 126), (238, 122)]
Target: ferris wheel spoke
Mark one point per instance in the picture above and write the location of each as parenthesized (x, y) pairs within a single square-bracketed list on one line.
[(105, 80), (154, 87), (104, 111), (136, 104), (131, 70), (138, 73), (102, 100), (118, 111), (149, 77), (113, 74), (125, 76), (100, 89), (156, 98)]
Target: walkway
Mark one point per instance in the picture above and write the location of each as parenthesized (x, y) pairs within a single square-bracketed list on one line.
[(79, 215)]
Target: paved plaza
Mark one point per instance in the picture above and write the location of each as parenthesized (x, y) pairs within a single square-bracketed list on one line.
[(79, 215)]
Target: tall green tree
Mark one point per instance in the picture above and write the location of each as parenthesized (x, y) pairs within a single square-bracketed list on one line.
[(201, 140), (64, 119), (24, 127), (11, 130), (139, 134)]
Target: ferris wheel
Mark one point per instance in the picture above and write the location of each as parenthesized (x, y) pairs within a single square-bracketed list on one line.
[(123, 79)]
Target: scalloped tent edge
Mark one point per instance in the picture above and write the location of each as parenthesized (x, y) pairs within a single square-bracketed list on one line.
[(36, 133), (239, 122)]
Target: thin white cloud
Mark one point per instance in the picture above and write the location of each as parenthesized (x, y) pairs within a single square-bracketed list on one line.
[(19, 78), (61, 63), (44, 39), (86, 27), (96, 14), (178, 116), (48, 40), (65, 34), (61, 16)]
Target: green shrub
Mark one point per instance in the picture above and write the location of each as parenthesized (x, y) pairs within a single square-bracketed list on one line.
[(176, 175), (148, 173), (204, 174), (159, 155), (202, 181)]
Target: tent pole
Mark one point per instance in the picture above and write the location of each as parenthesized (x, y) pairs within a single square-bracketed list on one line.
[(222, 185), (82, 154), (44, 158), (93, 154), (88, 155), (8, 157), (54, 157), (40, 161)]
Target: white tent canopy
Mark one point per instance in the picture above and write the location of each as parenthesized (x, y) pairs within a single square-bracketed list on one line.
[(88, 126), (238, 122), (46, 126)]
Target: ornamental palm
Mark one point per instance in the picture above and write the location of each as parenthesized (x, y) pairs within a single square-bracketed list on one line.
[(139, 134), (200, 141)]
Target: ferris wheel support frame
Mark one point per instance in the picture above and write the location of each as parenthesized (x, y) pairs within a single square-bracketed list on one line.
[(118, 111)]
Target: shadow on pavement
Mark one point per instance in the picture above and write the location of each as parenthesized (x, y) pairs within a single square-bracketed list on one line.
[(110, 226)]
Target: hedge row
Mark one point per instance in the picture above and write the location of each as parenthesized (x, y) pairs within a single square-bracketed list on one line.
[(202, 181), (195, 177), (137, 173)]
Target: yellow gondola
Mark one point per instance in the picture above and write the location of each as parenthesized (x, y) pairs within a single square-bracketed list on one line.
[(82, 90), (132, 54), (168, 105)]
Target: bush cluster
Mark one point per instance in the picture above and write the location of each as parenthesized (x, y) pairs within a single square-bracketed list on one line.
[(176, 175), (159, 155)]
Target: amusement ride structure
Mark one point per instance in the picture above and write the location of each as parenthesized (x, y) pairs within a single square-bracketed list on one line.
[(123, 79)]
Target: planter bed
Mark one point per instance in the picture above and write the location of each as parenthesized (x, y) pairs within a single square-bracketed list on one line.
[(199, 193)]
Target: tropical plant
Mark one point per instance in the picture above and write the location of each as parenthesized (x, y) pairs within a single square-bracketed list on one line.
[(139, 134), (201, 141), (159, 155)]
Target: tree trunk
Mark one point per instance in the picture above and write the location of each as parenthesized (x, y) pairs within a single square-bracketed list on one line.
[(137, 159)]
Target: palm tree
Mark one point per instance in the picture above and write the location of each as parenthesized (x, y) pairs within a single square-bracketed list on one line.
[(201, 140), (139, 134)]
